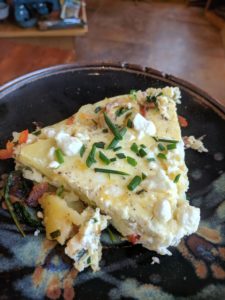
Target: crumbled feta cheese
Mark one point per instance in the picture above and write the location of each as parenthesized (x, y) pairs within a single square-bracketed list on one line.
[(173, 93), (155, 260), (114, 190), (49, 132), (163, 105), (54, 164), (70, 145), (143, 126), (188, 217), (84, 137), (32, 174), (85, 247), (51, 153), (162, 210), (195, 144), (36, 233)]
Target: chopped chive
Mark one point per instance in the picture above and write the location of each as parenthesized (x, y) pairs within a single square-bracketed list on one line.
[(60, 191), (55, 234), (143, 176), (91, 157), (9, 204), (89, 260), (168, 141), (162, 156), (133, 94), (142, 152), (121, 111), (104, 158), (38, 132), (95, 220), (155, 138), (115, 141), (176, 179), (131, 161), (97, 109), (161, 147), (109, 171), (111, 235), (113, 159), (134, 183), (100, 145), (117, 148), (134, 148), (105, 130), (59, 155), (120, 155), (151, 159), (129, 123), (82, 150), (143, 146), (112, 127), (171, 146)]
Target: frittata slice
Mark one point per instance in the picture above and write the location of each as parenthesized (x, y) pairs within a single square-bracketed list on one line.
[(124, 155)]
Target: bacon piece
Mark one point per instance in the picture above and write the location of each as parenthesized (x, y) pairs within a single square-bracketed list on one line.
[(37, 191), (133, 238)]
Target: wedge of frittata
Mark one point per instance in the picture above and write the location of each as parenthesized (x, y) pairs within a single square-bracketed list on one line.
[(125, 156)]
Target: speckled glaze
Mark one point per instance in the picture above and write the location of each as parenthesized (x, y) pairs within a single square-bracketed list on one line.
[(34, 268)]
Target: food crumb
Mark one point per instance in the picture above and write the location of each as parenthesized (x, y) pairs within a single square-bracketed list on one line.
[(195, 143), (36, 233), (155, 260)]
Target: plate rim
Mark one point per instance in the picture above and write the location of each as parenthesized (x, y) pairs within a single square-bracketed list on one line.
[(27, 78)]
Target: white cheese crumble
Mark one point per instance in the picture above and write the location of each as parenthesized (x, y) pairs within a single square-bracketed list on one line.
[(163, 106), (155, 260), (114, 191), (194, 143), (143, 126), (70, 145), (49, 132), (36, 233), (54, 164), (32, 174), (85, 247), (51, 153), (162, 211)]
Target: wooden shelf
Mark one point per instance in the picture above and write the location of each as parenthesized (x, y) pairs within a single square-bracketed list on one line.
[(10, 30)]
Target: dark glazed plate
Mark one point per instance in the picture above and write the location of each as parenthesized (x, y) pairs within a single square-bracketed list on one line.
[(31, 268)]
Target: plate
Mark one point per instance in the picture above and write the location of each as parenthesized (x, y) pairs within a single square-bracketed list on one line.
[(33, 268)]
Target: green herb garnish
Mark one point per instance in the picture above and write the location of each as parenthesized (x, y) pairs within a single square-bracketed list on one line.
[(142, 152), (111, 235), (134, 183), (134, 148), (59, 156), (117, 148), (82, 150), (95, 220), (129, 123), (113, 159), (97, 109), (109, 171), (176, 179), (55, 234), (165, 140), (91, 157), (162, 156), (104, 158), (161, 147), (60, 191), (133, 94), (171, 146), (99, 145), (131, 161), (143, 146), (115, 141), (89, 260), (121, 111), (151, 159), (120, 155), (113, 127)]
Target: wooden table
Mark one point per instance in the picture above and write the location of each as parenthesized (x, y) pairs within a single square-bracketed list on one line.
[(19, 59)]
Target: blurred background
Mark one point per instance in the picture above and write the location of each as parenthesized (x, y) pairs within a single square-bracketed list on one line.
[(183, 38)]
